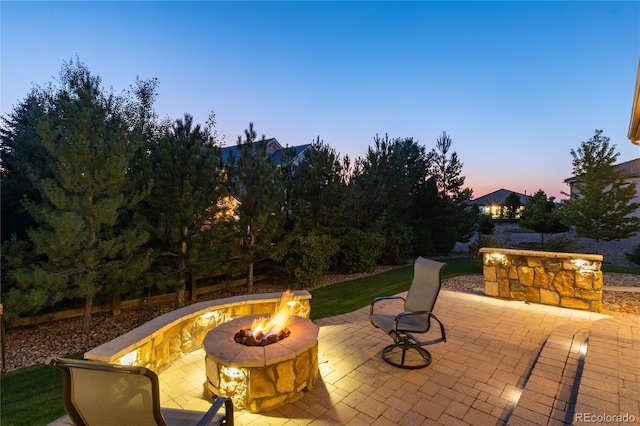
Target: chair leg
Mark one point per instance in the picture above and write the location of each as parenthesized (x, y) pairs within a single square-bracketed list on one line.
[(425, 355)]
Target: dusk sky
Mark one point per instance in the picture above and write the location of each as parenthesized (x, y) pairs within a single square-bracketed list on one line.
[(516, 85)]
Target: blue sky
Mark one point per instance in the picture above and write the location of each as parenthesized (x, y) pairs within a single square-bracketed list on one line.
[(516, 85)]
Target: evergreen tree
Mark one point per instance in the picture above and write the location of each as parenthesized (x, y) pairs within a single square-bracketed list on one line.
[(317, 191), (454, 220), (541, 215), (511, 205), (184, 205), (23, 161), (601, 205), (446, 169), (257, 184), (83, 246), (382, 190)]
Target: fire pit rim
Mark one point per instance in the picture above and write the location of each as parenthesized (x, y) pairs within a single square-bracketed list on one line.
[(220, 345)]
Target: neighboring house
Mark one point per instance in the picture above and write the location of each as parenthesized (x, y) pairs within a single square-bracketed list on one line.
[(228, 206), (231, 154), (630, 170), (491, 204)]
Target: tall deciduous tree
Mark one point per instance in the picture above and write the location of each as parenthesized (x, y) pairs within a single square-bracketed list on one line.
[(184, 205), (83, 246), (541, 215), (601, 203), (256, 183)]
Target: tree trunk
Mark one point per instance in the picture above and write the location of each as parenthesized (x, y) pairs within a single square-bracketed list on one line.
[(192, 290), (86, 326), (180, 296), (116, 304), (250, 279)]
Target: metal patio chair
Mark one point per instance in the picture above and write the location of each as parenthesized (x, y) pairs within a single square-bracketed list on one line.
[(95, 393), (414, 319)]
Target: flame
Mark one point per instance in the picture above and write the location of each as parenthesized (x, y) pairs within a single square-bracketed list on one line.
[(279, 319)]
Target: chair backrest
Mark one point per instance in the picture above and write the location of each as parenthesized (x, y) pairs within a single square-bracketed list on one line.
[(425, 286), (95, 393)]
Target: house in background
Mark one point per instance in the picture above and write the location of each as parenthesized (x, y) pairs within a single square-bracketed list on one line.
[(630, 171), (491, 204), (231, 154)]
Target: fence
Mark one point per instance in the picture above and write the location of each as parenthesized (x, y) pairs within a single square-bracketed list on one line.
[(118, 305)]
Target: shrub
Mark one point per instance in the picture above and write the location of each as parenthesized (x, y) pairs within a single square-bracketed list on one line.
[(482, 241), (397, 247), (562, 243), (310, 258), (634, 256), (486, 226), (359, 250)]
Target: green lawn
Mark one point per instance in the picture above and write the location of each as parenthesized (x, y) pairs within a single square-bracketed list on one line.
[(351, 295), (31, 396)]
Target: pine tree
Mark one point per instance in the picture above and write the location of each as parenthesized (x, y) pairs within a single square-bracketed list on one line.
[(184, 205), (601, 204), (24, 160), (453, 221), (511, 205), (84, 248), (256, 183), (541, 215)]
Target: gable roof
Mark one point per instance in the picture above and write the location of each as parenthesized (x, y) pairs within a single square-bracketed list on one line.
[(497, 197), (628, 170), (231, 154)]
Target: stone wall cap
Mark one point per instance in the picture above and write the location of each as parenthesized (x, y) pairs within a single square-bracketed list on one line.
[(121, 345), (548, 254)]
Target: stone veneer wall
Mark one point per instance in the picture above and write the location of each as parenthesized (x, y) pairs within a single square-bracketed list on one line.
[(569, 280), (264, 377), (159, 342)]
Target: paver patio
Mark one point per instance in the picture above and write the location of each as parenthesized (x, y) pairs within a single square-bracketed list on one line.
[(504, 362)]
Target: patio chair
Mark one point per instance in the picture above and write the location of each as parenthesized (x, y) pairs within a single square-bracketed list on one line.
[(95, 393), (414, 319)]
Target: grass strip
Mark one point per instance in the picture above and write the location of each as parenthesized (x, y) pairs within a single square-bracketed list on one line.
[(351, 295)]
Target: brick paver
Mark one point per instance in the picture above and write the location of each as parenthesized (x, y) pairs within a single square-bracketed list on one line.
[(502, 363)]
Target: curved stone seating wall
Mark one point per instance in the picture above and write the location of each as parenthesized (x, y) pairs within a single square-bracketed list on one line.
[(569, 280), (159, 342)]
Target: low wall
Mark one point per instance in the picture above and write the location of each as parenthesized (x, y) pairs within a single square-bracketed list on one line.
[(159, 342), (569, 280)]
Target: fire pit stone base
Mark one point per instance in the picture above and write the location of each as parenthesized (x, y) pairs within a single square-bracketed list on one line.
[(259, 378)]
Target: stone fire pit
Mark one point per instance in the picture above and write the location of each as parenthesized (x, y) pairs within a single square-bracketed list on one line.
[(258, 378)]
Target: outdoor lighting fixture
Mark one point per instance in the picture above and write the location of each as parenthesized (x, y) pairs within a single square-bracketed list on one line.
[(584, 265), (130, 358), (233, 373), (497, 258)]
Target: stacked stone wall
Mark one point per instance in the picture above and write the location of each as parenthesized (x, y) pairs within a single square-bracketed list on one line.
[(568, 280), (167, 338)]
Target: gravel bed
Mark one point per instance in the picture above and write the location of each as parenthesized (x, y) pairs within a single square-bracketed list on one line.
[(36, 344)]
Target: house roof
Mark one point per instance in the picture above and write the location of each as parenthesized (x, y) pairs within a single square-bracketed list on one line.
[(497, 197), (628, 169), (231, 154)]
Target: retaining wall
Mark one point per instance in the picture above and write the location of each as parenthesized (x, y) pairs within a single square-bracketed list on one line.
[(569, 280), (159, 342)]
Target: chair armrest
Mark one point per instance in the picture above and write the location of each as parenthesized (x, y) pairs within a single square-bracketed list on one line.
[(443, 337), (377, 299), (217, 404)]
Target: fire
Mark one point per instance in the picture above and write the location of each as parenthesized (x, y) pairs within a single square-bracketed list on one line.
[(278, 320)]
